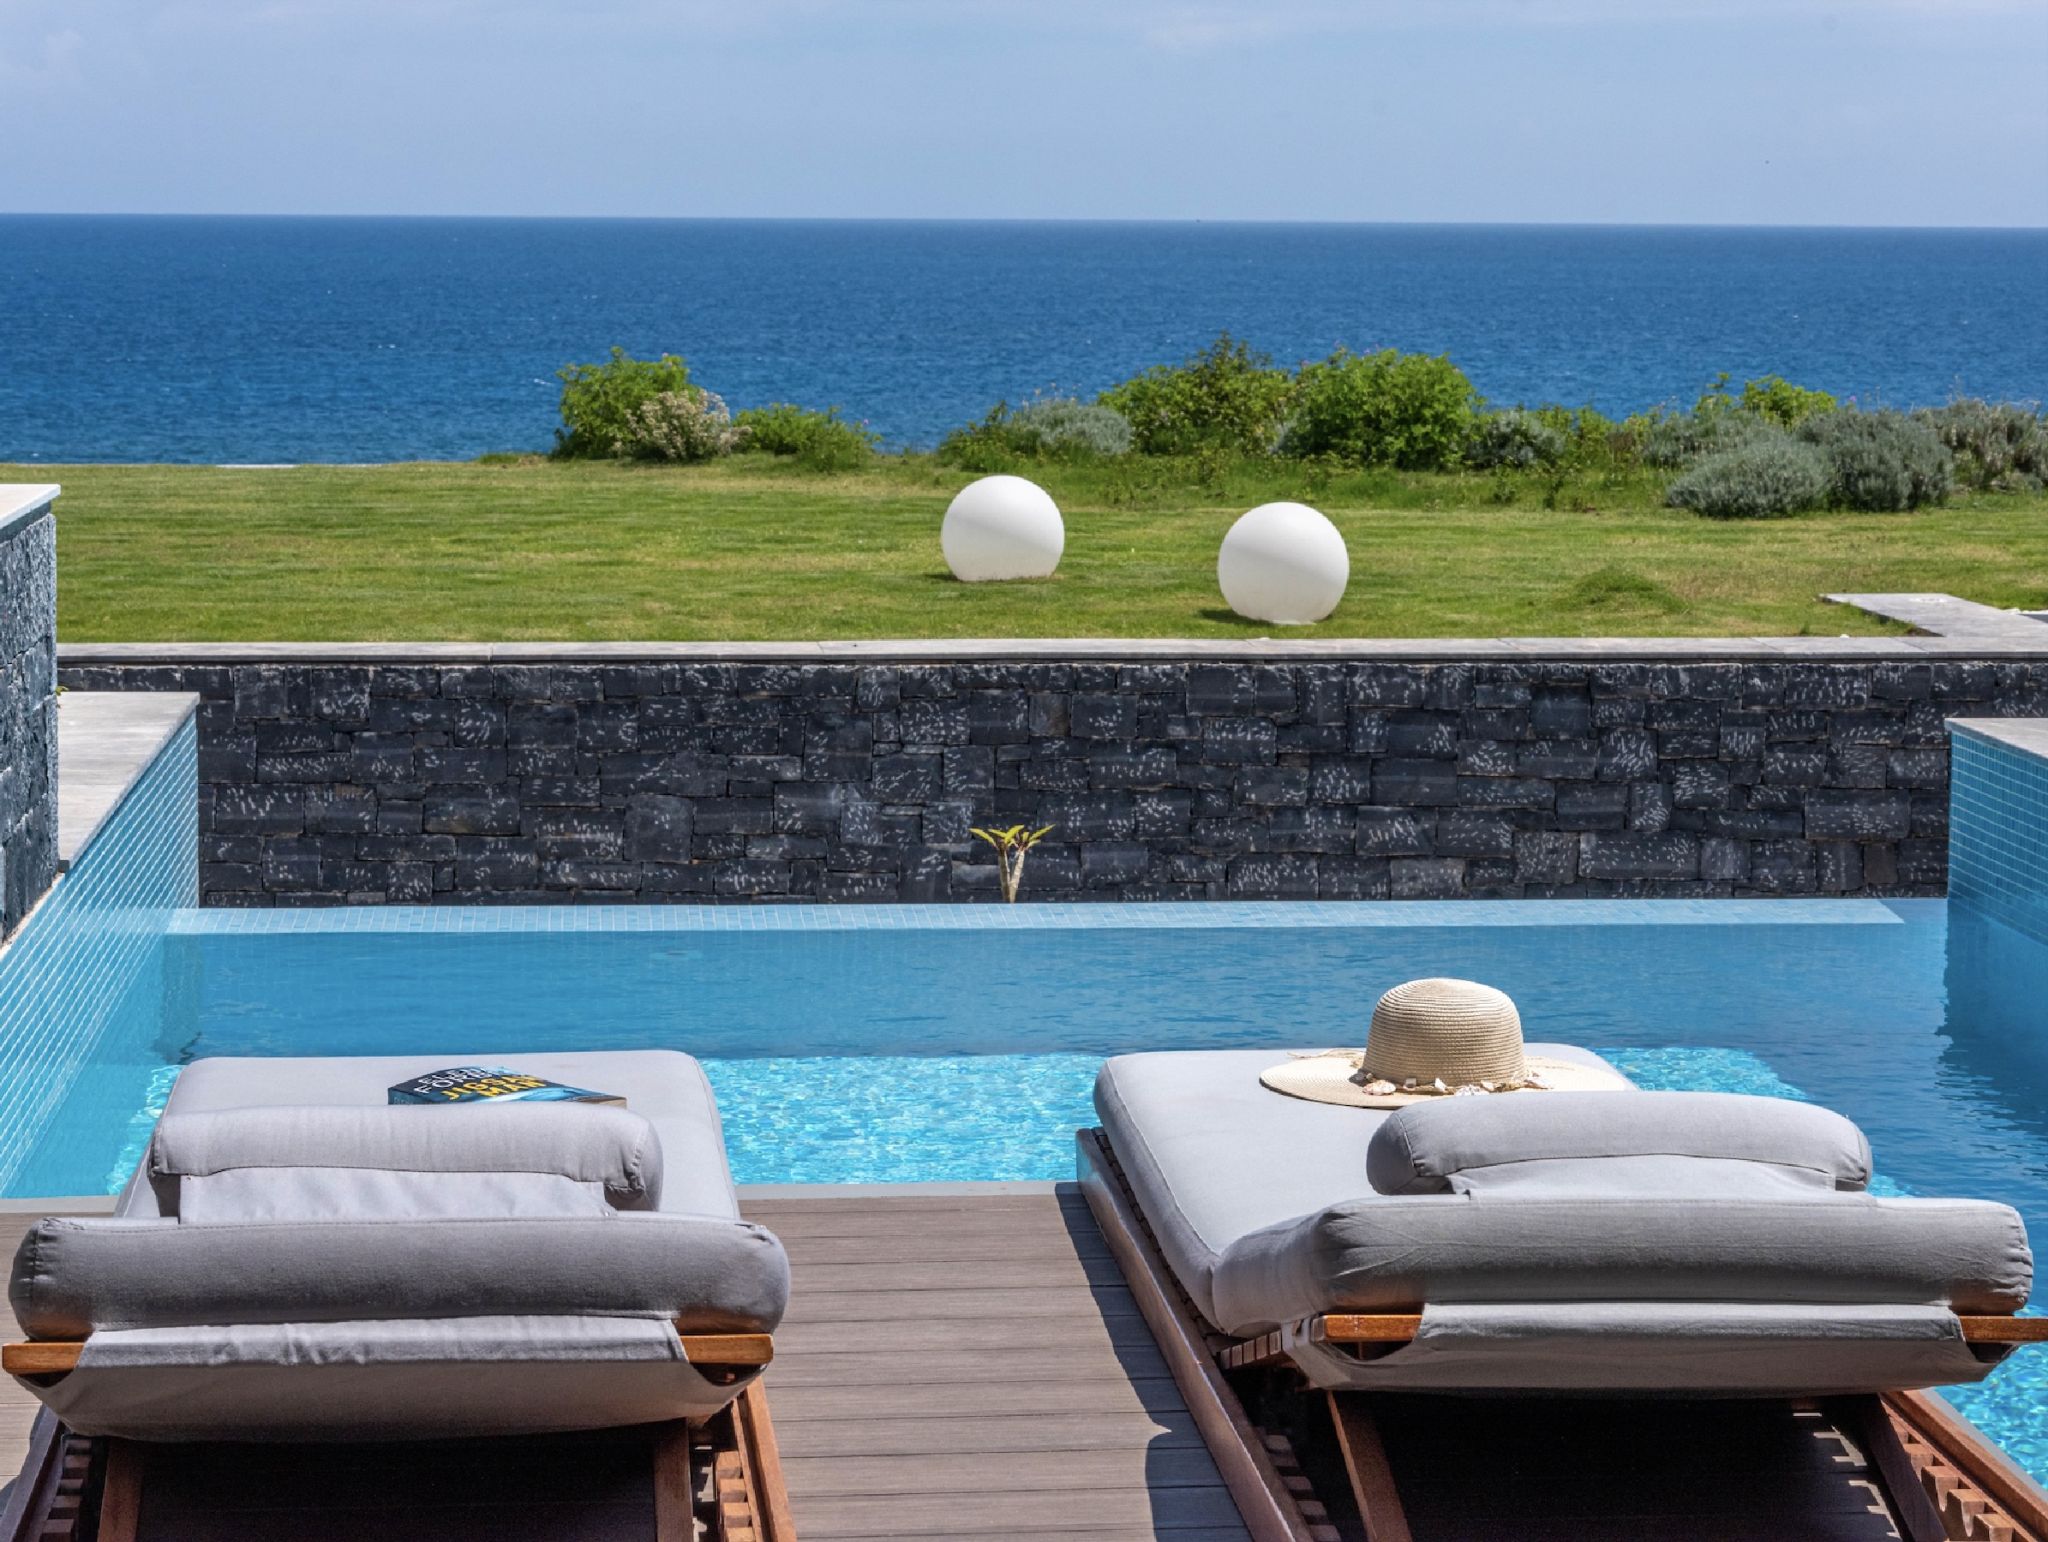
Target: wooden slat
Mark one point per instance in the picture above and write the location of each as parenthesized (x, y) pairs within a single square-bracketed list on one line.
[(987, 1435), (1864, 1421), (1002, 1513), (1101, 1392), (772, 1514), (1962, 1443), (120, 1514), (674, 1492), (1365, 1463), (1400, 1327)]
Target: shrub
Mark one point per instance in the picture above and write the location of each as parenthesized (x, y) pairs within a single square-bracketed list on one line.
[(1058, 428), (1406, 410), (1766, 474), (1675, 439), (680, 425), (1513, 440), (1062, 426), (1224, 398), (599, 400), (1777, 400), (819, 441), (1880, 461), (1997, 446)]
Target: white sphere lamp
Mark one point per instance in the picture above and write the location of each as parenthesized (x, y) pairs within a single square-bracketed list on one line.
[(1284, 563), (1002, 527)]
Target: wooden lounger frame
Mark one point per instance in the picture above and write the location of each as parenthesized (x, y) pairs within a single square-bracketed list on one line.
[(1940, 1476), (719, 1479)]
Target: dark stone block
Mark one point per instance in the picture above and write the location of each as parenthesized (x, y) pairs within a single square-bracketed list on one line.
[(1700, 784), (1272, 877), (1546, 857), (1305, 829), (1424, 878), (1463, 834), (1238, 741), (482, 813), (1520, 792), (1650, 805), (1555, 714), (1273, 786), (1102, 716), (1418, 783), (1395, 832), (1337, 780), (1559, 759), (1353, 878), (1592, 805), (658, 828), (1422, 735), (1671, 855), (1877, 816)]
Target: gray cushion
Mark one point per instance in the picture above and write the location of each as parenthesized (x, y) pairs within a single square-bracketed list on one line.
[(1394, 1253), (1213, 1155), (74, 1277), (608, 1148), (1260, 1204), (1647, 1142), (665, 1088)]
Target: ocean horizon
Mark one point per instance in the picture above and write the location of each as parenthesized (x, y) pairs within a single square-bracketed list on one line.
[(234, 338)]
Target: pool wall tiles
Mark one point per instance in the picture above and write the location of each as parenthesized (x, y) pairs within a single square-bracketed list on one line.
[(28, 708), (96, 946), (1998, 828)]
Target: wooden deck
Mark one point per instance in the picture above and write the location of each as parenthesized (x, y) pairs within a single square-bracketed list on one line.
[(954, 1364), (972, 1365)]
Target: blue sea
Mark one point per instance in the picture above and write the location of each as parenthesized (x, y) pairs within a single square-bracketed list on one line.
[(322, 339)]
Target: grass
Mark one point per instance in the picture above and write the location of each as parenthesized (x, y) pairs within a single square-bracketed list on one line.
[(523, 548)]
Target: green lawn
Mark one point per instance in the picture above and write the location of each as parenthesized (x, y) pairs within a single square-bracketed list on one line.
[(749, 549)]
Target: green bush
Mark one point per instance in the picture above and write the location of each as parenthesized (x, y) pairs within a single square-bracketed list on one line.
[(1225, 398), (599, 400), (1406, 410), (1514, 440), (1058, 428), (1062, 426), (680, 426), (1998, 446), (1768, 473), (819, 441), (1776, 400), (1880, 461), (1677, 439)]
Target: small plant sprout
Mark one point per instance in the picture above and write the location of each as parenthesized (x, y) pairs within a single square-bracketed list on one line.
[(1012, 847)]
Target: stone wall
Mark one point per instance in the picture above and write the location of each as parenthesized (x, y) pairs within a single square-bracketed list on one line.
[(647, 778), (28, 703)]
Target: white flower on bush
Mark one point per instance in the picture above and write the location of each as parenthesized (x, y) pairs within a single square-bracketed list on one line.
[(681, 426)]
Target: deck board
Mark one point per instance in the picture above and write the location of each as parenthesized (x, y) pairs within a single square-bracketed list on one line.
[(952, 1366)]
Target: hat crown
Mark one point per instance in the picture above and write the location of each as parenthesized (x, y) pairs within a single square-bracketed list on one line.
[(1456, 1031)]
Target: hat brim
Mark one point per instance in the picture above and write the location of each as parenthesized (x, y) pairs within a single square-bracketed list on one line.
[(1328, 1079)]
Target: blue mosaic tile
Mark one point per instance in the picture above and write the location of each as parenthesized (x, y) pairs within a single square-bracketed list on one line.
[(86, 973), (1998, 831)]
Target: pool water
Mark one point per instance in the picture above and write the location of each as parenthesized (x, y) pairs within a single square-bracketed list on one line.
[(903, 1045)]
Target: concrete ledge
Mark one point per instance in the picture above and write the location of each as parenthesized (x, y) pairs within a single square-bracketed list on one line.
[(2029, 734), (1948, 617), (2032, 643), (105, 741), (21, 502)]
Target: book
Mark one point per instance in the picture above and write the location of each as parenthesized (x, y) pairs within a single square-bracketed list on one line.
[(493, 1084)]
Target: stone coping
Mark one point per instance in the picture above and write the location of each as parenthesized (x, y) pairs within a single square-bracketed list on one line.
[(2029, 734), (105, 741), (1145, 650), (21, 502), (1944, 615)]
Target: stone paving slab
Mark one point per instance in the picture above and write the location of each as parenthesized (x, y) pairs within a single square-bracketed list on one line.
[(105, 741), (1947, 617)]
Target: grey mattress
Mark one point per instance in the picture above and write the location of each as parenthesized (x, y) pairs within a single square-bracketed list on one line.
[(1717, 1268), (330, 1268)]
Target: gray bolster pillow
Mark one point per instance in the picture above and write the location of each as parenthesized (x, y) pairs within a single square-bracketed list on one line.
[(1422, 1147), (584, 1142), (73, 1277)]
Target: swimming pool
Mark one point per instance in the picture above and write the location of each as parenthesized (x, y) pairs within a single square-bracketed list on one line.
[(857, 1044)]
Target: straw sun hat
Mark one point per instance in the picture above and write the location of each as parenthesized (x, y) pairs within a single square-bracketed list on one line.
[(1433, 1039)]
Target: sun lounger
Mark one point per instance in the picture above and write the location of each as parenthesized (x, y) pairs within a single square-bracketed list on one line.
[(297, 1261), (1603, 1245)]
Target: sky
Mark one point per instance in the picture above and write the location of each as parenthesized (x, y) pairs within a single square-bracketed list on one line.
[(1848, 112)]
